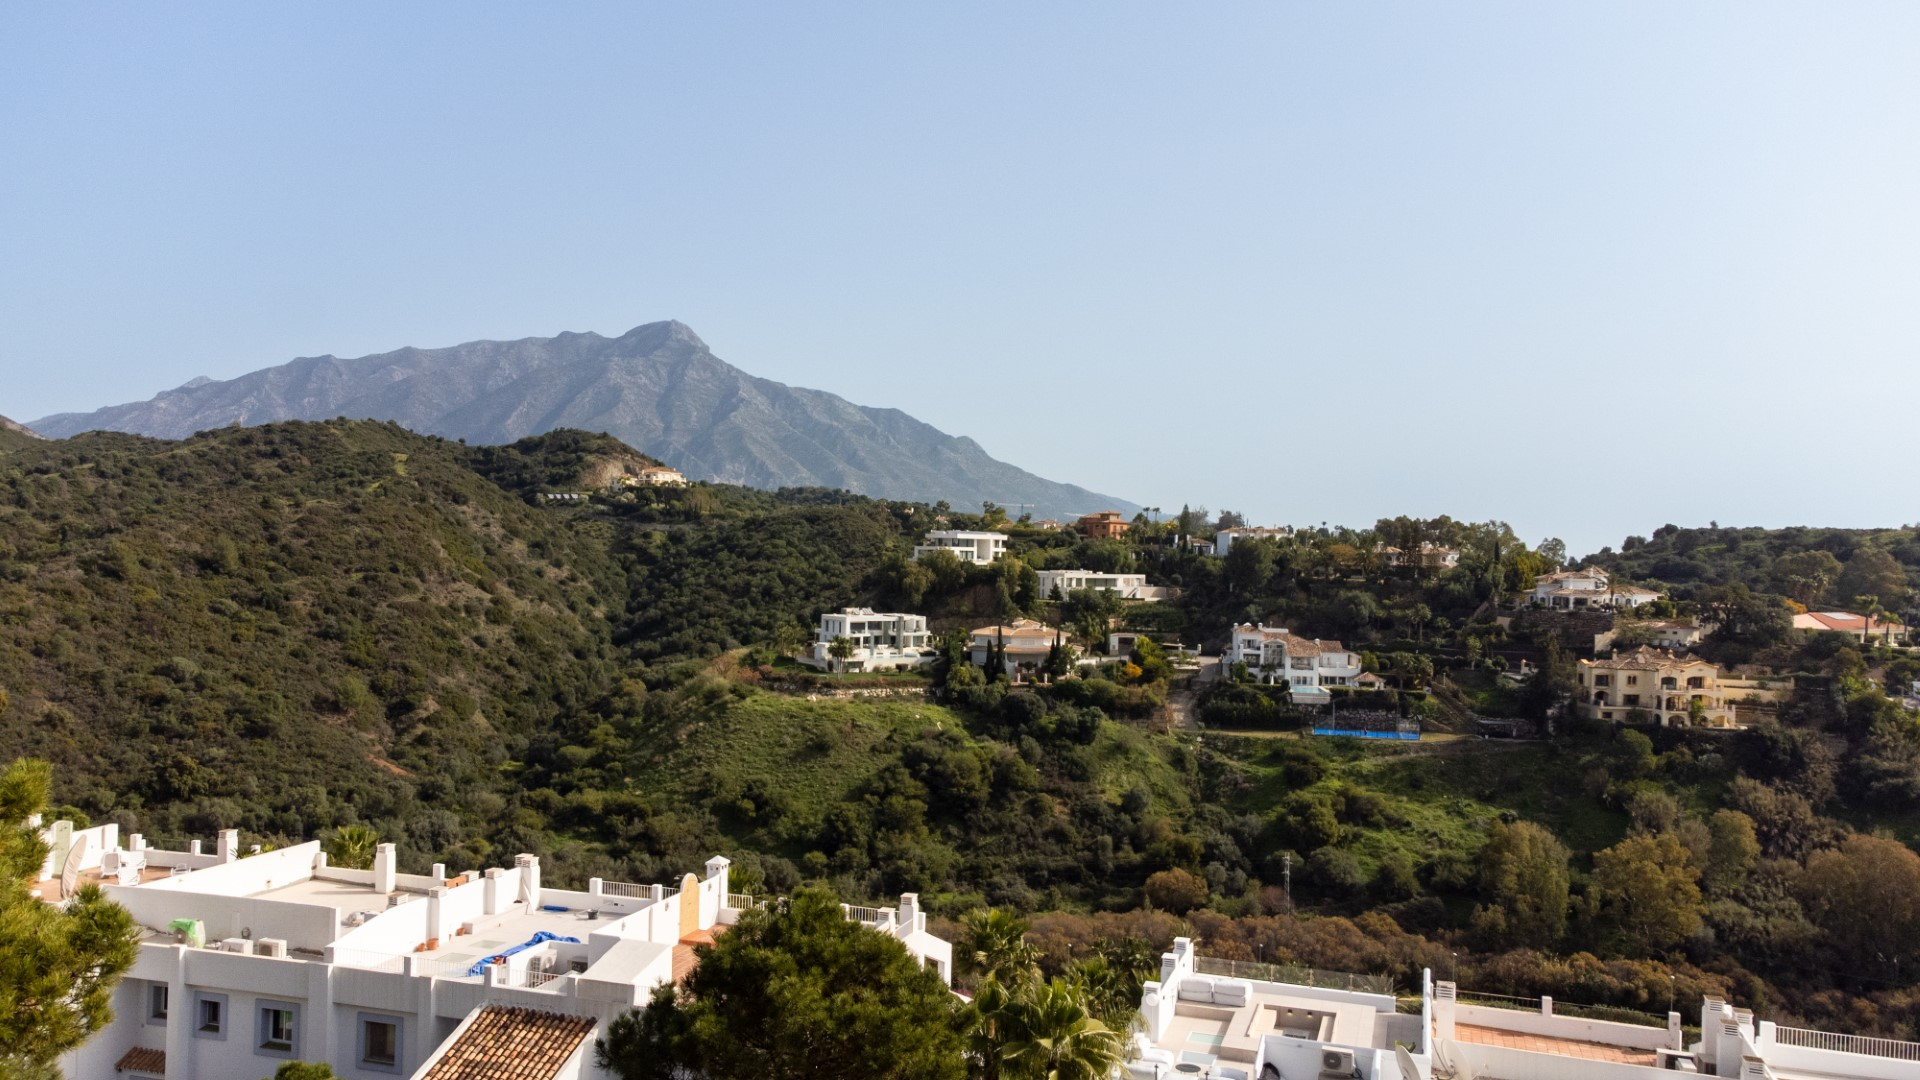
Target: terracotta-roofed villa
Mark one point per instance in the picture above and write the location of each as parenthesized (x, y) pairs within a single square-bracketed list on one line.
[(1861, 628), (1668, 688), (1307, 665)]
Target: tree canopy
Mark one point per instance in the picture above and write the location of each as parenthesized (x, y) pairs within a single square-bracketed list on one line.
[(795, 994), (58, 965)]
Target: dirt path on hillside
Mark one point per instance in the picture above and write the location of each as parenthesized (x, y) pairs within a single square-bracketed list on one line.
[(1183, 700)]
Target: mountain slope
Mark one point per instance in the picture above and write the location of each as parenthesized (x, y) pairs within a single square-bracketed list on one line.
[(14, 435), (288, 628), (657, 388)]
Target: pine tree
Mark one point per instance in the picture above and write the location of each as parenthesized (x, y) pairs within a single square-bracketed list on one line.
[(58, 964)]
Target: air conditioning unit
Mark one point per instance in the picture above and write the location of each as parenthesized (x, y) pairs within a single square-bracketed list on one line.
[(1337, 1064), (238, 945), (267, 946)]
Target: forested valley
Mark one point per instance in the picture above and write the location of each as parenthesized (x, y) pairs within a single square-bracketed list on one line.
[(301, 627)]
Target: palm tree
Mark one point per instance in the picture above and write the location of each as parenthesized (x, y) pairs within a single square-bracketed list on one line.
[(987, 1027), (993, 946), (1110, 993), (1052, 1037), (841, 649), (351, 847)]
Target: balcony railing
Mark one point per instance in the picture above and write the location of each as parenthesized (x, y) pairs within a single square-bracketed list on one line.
[(369, 960), (740, 901), (878, 918), (622, 888), (1618, 1014), (1296, 976), (537, 978), (1850, 1044)]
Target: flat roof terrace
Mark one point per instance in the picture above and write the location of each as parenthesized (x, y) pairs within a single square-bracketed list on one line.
[(345, 897), (1550, 1044), (1202, 1033)]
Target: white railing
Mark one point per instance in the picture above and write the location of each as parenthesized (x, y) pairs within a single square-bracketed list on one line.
[(368, 960), (878, 918), (1298, 976), (537, 978), (740, 901), (622, 888), (443, 967), (1850, 1044)]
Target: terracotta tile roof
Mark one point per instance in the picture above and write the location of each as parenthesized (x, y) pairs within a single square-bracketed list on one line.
[(141, 1059), (1021, 633), (1292, 642), (1547, 1044), (1645, 658), (512, 1044), (684, 959), (1841, 620)]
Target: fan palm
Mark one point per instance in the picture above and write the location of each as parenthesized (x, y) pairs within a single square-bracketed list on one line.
[(351, 847), (993, 945), (1053, 1037)]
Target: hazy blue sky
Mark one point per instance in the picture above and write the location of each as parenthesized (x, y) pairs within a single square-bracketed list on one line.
[(1588, 269)]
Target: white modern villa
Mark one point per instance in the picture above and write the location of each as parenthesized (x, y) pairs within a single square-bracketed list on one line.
[(882, 641), (1274, 654), (250, 961), (970, 547), (1126, 586), (1212, 1019)]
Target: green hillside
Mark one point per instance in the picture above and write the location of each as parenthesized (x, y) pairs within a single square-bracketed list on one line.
[(292, 628), (284, 629)]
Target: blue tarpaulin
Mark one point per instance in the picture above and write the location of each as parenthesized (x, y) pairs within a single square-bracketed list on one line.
[(480, 966)]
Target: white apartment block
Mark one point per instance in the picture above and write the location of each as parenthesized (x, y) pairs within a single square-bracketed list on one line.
[(1212, 1019), (250, 961), (1307, 665), (1126, 586), (882, 641), (969, 547)]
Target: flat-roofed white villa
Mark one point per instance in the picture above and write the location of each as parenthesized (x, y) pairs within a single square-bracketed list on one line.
[(969, 547), (250, 961), (882, 641), (1059, 583), (1215, 1019)]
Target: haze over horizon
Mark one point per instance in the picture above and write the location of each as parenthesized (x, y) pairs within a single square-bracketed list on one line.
[(1584, 270)]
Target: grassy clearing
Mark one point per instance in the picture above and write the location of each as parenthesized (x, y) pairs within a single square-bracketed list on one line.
[(1438, 801), (815, 752)]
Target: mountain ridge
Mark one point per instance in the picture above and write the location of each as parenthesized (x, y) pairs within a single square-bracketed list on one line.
[(657, 387), (14, 434)]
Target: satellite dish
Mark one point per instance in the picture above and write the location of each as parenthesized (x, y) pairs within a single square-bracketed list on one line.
[(1409, 1069), (70, 873)]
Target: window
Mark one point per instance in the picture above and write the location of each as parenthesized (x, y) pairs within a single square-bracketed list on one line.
[(279, 1031), (380, 1042), (1633, 680), (1603, 680), (210, 1016), (1630, 700), (1606, 716), (157, 1003)]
